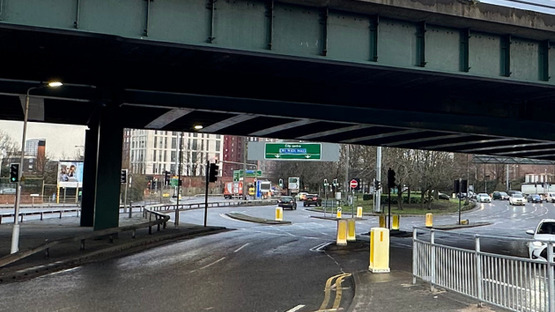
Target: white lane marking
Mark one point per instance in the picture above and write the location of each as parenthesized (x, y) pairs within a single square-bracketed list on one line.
[(297, 308), (211, 264), (319, 247), (237, 250)]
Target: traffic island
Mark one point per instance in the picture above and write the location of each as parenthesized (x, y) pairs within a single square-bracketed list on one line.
[(244, 217)]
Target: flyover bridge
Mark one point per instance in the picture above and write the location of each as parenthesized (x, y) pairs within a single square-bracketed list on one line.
[(452, 76)]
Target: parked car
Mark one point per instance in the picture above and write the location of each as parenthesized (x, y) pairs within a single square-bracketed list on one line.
[(534, 198), (302, 195), (443, 196), (500, 195), (516, 199), (550, 197), (483, 198), (545, 231), (312, 200), (287, 202), (513, 192)]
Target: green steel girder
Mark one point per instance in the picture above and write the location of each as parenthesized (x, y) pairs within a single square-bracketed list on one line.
[(353, 32)]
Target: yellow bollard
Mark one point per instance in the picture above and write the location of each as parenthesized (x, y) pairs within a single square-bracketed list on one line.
[(395, 222), (382, 220), (279, 214), (351, 232), (338, 212), (429, 220), (341, 233), (359, 212), (379, 250)]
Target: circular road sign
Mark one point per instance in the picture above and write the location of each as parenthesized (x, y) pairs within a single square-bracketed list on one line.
[(353, 183)]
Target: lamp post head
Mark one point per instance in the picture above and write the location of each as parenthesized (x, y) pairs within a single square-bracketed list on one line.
[(55, 84)]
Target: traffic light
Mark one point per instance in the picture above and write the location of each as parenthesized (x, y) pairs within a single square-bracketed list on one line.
[(390, 178), (123, 176), (464, 186), (213, 173), (377, 184), (14, 173), (166, 177), (281, 183), (326, 183)]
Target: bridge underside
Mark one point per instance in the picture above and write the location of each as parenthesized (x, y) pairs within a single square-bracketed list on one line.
[(174, 87), (454, 76)]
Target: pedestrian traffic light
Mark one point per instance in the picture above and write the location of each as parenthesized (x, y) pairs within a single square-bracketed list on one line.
[(390, 178), (14, 172), (213, 173), (123, 176)]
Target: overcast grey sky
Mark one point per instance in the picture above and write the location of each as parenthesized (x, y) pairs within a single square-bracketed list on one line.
[(61, 140)]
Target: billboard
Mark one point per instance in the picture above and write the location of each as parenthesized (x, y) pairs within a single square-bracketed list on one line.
[(70, 173)]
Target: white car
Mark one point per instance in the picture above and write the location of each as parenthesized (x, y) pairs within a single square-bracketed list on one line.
[(517, 199), (550, 197), (483, 198), (544, 233)]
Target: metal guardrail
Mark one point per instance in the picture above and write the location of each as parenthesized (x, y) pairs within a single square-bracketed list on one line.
[(160, 220), (36, 213), (513, 283), (173, 207)]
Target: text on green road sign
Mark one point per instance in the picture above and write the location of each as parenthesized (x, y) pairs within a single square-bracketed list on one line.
[(297, 151)]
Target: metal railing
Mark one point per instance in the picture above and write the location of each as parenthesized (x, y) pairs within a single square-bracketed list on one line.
[(173, 207), (513, 283), (60, 212), (160, 220)]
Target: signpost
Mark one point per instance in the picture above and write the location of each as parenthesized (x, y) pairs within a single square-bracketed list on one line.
[(238, 174), (293, 151)]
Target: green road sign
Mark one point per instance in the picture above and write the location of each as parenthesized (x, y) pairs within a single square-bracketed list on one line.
[(293, 151), (238, 174), (174, 182)]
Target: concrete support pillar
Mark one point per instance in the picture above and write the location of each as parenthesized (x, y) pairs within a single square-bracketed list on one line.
[(110, 135), (89, 175)]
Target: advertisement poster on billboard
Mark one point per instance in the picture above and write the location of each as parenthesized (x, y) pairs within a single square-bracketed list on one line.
[(70, 173)]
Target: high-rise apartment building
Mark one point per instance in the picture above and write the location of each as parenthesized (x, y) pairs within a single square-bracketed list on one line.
[(152, 152)]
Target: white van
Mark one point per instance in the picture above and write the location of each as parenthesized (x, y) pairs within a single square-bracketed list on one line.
[(550, 197)]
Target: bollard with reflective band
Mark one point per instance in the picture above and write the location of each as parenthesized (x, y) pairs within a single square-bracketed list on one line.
[(351, 232), (279, 214), (395, 222), (341, 233), (359, 212), (381, 222), (429, 220), (379, 250), (338, 212)]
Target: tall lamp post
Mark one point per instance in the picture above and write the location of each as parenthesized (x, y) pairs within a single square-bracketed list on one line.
[(15, 232)]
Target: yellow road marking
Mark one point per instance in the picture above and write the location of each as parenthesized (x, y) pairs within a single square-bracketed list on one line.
[(338, 292)]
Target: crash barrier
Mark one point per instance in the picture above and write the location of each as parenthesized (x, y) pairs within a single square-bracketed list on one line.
[(379, 250), (11, 216), (187, 206), (509, 282), (155, 219)]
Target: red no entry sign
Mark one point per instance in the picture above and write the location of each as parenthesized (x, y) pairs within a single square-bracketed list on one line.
[(353, 183)]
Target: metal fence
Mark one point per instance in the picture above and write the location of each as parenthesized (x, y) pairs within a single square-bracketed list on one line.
[(513, 283)]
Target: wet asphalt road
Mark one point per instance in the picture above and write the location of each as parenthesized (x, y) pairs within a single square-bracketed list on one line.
[(254, 267)]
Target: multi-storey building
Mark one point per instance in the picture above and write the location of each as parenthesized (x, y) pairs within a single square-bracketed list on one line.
[(152, 152), (235, 155)]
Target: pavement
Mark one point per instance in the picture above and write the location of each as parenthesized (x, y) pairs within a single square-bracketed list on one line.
[(393, 291)]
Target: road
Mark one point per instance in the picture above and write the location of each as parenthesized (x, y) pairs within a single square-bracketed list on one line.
[(254, 267)]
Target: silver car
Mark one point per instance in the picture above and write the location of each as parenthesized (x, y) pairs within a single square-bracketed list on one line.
[(517, 199), (543, 234)]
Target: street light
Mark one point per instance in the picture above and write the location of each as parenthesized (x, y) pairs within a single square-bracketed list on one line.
[(15, 232)]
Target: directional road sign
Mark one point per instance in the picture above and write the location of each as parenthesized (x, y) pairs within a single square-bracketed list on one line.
[(293, 151)]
